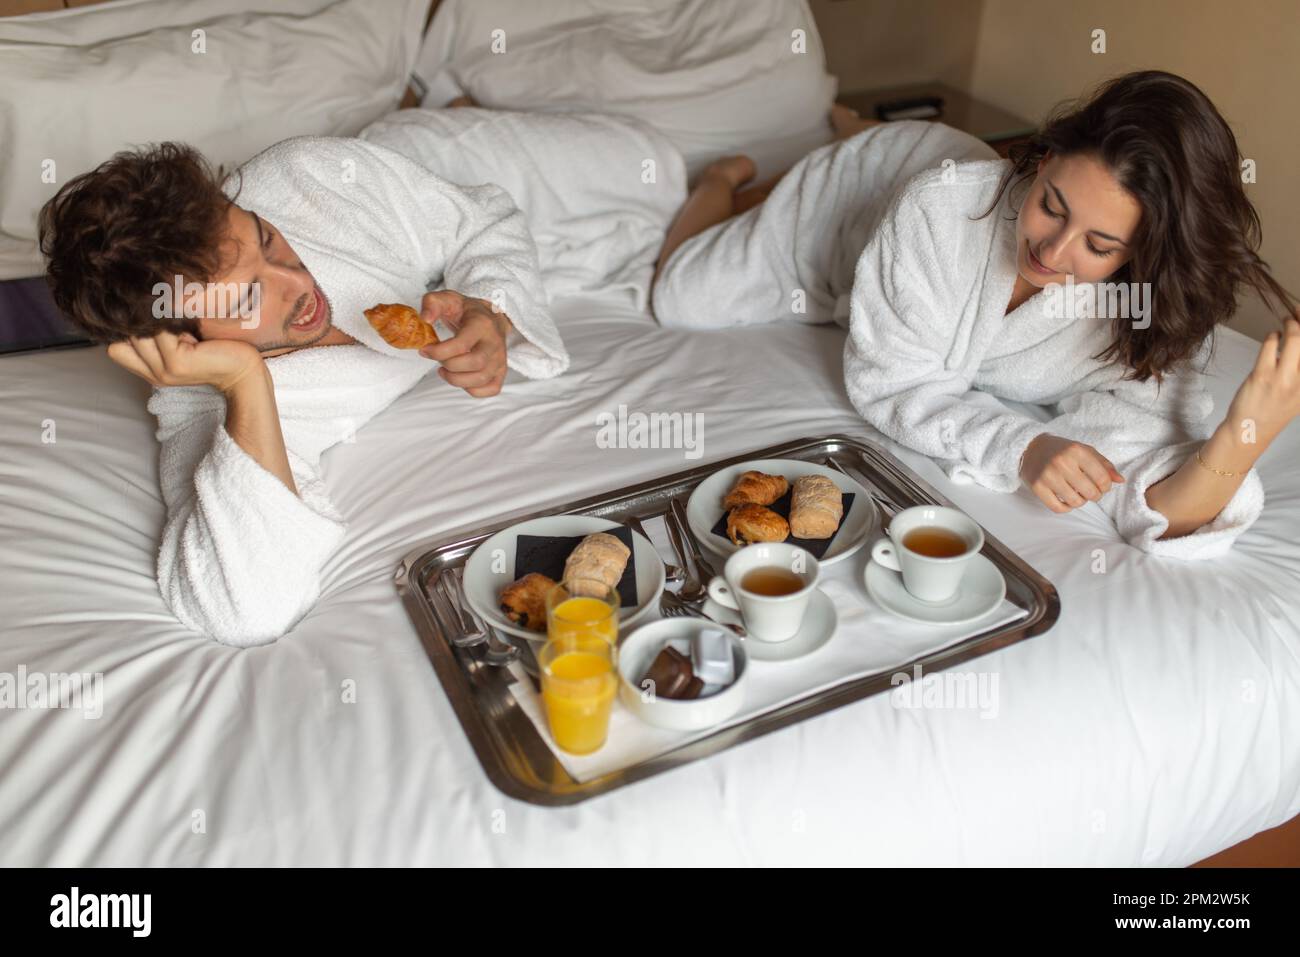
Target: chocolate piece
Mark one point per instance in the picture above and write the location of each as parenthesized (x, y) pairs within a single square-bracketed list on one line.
[(670, 673), (692, 690)]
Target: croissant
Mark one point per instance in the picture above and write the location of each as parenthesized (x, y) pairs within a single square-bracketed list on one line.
[(816, 507), (756, 523), (599, 557), (524, 601), (401, 326), (755, 488)]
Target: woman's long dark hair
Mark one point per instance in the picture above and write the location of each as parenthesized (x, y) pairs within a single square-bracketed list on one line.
[(1196, 242)]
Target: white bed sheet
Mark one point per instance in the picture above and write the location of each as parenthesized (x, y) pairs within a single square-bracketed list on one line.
[(1156, 724)]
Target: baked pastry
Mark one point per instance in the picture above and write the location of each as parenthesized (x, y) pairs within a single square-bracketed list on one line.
[(524, 601), (599, 557), (756, 523), (755, 488), (401, 326), (816, 507)]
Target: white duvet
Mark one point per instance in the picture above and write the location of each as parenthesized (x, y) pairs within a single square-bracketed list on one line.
[(1155, 725)]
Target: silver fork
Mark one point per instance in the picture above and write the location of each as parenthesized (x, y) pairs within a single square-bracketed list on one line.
[(692, 590), (496, 650), (887, 508), (670, 606), (697, 553), (471, 631)]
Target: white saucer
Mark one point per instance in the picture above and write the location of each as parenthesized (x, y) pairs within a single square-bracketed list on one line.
[(819, 623), (982, 590)]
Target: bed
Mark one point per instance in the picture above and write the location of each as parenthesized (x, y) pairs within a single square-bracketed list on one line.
[(1155, 725)]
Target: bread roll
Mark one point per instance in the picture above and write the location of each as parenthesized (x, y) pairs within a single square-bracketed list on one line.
[(816, 507), (599, 557)]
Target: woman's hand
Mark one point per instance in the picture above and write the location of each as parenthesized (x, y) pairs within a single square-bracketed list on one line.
[(474, 359), (1269, 398), (1065, 474), (168, 359)]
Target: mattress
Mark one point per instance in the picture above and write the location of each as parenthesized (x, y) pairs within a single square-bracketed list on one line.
[(1157, 723)]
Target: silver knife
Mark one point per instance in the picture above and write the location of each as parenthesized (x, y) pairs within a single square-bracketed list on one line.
[(701, 563)]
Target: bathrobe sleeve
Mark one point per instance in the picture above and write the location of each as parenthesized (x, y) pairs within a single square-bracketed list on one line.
[(1148, 432), (478, 242), (241, 555), (903, 326)]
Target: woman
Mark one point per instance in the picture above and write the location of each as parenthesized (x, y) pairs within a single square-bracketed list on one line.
[(965, 272)]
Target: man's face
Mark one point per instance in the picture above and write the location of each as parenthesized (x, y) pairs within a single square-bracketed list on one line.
[(277, 292), (1076, 221)]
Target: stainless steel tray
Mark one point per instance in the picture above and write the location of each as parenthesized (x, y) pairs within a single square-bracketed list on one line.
[(510, 749)]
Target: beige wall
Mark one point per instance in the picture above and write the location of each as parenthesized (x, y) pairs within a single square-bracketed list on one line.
[(877, 43), (1026, 55)]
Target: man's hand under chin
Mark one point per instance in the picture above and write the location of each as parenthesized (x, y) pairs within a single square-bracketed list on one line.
[(474, 359)]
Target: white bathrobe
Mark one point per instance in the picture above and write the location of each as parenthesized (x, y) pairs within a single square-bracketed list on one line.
[(884, 223), (380, 219)]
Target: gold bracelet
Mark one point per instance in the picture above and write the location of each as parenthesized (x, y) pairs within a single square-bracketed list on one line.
[(1203, 465)]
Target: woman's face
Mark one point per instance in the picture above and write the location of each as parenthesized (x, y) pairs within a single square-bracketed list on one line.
[(1075, 221)]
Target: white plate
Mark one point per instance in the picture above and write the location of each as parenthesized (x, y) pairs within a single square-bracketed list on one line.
[(492, 567), (704, 507), (982, 590), (819, 623)]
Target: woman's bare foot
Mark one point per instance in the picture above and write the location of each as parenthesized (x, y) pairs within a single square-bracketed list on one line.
[(712, 199), (846, 122), (462, 101), (735, 171)]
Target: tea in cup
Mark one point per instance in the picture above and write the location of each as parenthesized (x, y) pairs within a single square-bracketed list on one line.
[(770, 584), (931, 546)]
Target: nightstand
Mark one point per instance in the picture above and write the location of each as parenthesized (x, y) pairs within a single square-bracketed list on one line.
[(994, 126)]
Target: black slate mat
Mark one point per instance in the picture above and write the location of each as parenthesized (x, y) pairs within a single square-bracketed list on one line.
[(816, 546), (546, 555)]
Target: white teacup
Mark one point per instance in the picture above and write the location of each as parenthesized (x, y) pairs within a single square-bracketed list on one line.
[(924, 576), (767, 617)]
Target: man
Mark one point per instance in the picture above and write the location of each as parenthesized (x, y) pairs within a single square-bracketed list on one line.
[(241, 301)]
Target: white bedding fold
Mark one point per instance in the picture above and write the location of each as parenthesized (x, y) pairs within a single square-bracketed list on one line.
[(598, 192)]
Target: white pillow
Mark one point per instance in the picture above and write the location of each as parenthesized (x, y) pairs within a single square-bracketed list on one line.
[(716, 76), (78, 85), (578, 178)]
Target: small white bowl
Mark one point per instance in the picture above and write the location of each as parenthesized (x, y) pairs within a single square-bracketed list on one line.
[(640, 648)]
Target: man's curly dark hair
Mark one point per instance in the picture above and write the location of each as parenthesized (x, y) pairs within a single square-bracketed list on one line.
[(138, 219)]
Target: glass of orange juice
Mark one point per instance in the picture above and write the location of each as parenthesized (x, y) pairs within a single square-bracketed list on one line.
[(578, 663), (582, 607)]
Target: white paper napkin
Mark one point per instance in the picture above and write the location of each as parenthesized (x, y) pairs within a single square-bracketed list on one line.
[(868, 640)]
